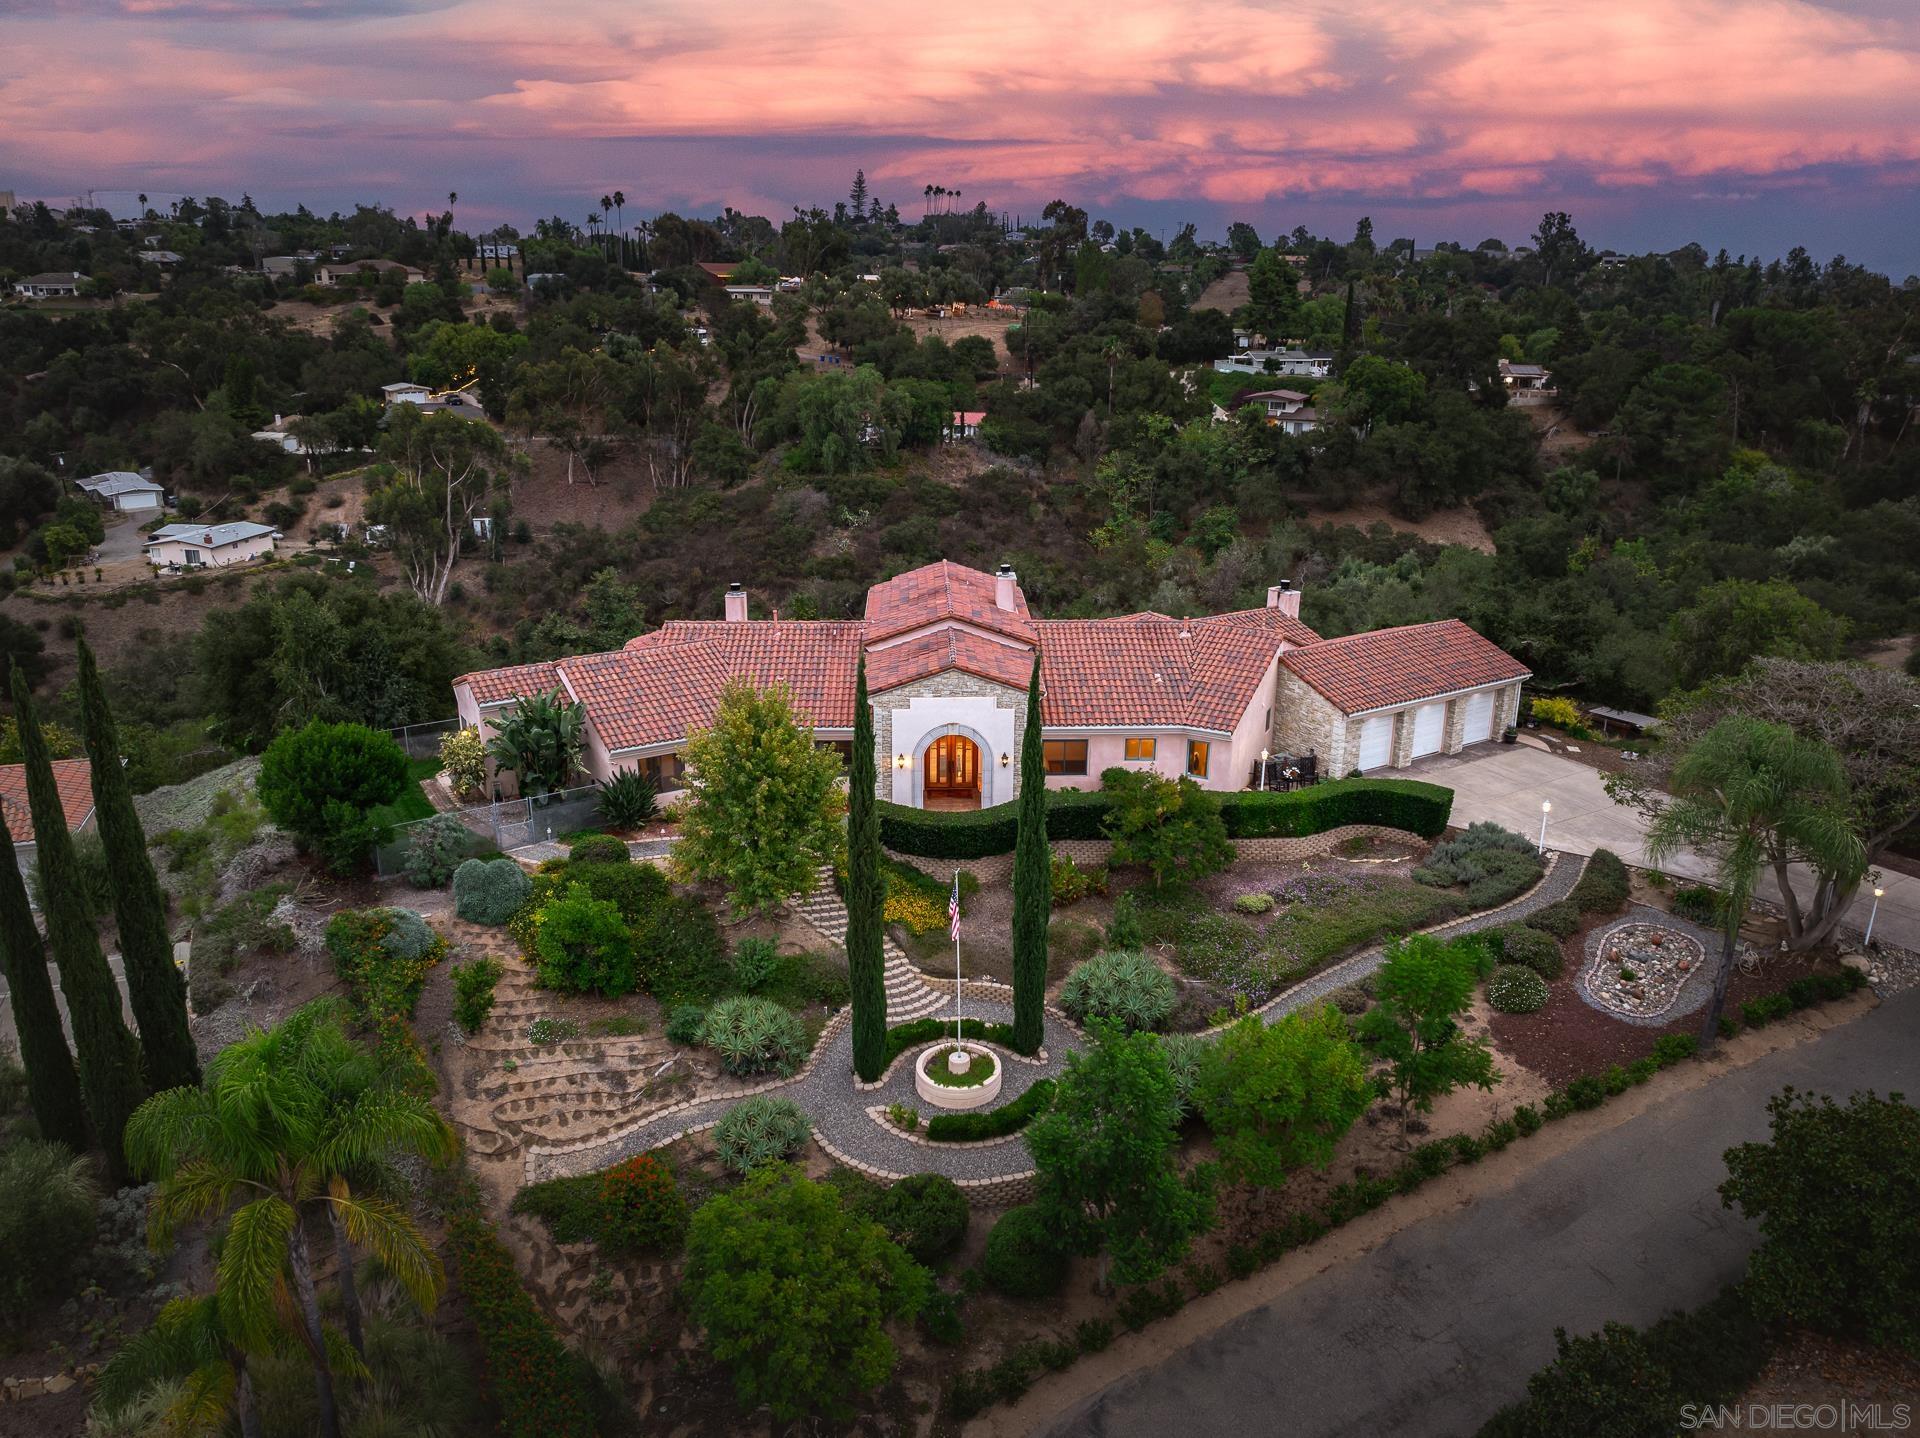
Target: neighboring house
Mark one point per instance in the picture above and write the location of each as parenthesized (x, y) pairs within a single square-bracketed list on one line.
[(54, 285), (721, 270), (405, 392), (1524, 377), (74, 779), (279, 435), (122, 490), (209, 546), (966, 424), (355, 272), (496, 250), (1307, 364), (166, 259), (948, 652), (1286, 409), (286, 267), (753, 294)]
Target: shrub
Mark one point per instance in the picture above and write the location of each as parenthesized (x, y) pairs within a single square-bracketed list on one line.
[(1526, 1118), (1170, 827), (489, 891), (1127, 987), (598, 849), (941, 1318), (979, 1124), (47, 1206), (1124, 929), (1698, 903), (1185, 1053), (685, 1023), (1071, 883), (639, 891), (1586, 1092), (681, 954), (1519, 944), (1758, 1013), (628, 800), (473, 985), (641, 1209), (463, 759), (382, 955), (534, 1377), (1840, 1265), (1493, 865), (1253, 904), (583, 946), (753, 1036), (915, 1032), (1670, 1049), (926, 1214), (1604, 886), (1023, 1258), (1560, 713), (435, 849), (755, 962), (759, 1130), (321, 783), (1559, 918)]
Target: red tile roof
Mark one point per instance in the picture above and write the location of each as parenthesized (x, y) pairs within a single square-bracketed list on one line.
[(658, 692), (1149, 670), (74, 777), (1282, 626), (493, 686), (1399, 666), (943, 590), (927, 654)]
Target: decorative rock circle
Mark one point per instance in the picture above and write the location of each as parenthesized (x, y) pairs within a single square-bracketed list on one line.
[(940, 1095), (1637, 968)]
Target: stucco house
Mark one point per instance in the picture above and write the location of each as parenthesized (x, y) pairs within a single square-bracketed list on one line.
[(949, 651), (53, 285), (74, 779), (212, 546), (122, 490), (1286, 409)]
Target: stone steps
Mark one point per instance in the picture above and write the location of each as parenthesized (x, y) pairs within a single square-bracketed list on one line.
[(908, 996)]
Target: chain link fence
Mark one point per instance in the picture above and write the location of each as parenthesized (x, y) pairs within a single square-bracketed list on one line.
[(499, 828), (422, 741)]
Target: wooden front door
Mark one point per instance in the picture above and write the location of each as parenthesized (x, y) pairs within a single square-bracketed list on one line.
[(953, 769)]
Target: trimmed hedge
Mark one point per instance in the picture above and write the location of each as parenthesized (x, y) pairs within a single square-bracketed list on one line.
[(994, 1122), (914, 1032), (1603, 886), (1409, 804)]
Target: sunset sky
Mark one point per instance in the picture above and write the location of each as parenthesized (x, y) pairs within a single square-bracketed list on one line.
[(1754, 124)]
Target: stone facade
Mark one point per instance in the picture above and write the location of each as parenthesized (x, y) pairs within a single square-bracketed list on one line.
[(1306, 720), (897, 704)]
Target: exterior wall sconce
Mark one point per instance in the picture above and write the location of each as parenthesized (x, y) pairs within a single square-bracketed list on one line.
[(899, 761), (1003, 761)]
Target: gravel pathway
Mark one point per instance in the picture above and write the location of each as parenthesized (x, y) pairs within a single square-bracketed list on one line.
[(839, 1110)]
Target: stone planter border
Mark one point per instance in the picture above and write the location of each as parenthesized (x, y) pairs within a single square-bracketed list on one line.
[(957, 1100)]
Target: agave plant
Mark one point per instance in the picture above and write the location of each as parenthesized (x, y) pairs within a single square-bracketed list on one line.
[(627, 800), (759, 1130), (753, 1035), (540, 740)]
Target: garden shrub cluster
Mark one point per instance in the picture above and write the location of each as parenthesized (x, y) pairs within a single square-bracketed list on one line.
[(1699, 903), (915, 1032), (1560, 918), (925, 1213), (1071, 883), (1523, 944), (1127, 987), (535, 1378), (435, 849), (598, 849), (641, 1210), (1407, 804), (753, 1035), (473, 985), (758, 1131), (1803, 992), (1516, 989), (47, 1206), (583, 945), (1491, 863), (971, 1127), (382, 956), (1023, 1257), (628, 800), (1604, 886), (489, 891)]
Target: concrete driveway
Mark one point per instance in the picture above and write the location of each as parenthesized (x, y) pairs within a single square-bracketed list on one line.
[(1508, 783)]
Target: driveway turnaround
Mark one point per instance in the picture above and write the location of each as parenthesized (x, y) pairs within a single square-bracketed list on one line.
[(1439, 1326), (1507, 783)]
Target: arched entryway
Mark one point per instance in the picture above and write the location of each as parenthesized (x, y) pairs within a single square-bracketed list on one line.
[(952, 773)]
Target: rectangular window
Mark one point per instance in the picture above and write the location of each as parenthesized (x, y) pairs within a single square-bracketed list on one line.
[(1197, 758), (1141, 749), (1066, 756)]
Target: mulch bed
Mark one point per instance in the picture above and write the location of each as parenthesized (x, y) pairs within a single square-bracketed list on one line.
[(1570, 1037)]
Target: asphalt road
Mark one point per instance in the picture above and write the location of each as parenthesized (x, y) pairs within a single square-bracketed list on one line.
[(1440, 1326)]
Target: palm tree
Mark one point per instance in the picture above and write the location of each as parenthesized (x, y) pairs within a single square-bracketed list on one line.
[(143, 206), (540, 740), (926, 199), (1751, 794), (284, 1118), (190, 1344)]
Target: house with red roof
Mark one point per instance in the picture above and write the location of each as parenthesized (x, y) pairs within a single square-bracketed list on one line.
[(73, 778), (949, 651)]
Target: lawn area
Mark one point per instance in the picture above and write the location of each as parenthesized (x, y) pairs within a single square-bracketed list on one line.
[(412, 803)]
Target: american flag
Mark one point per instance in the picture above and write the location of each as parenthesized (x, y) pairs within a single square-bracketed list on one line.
[(953, 906)]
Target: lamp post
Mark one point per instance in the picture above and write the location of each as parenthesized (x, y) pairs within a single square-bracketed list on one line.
[(1546, 808), (1872, 914), (1263, 770)]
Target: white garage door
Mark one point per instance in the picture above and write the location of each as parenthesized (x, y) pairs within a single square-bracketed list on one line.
[(1479, 723), (1376, 742), (1429, 729)]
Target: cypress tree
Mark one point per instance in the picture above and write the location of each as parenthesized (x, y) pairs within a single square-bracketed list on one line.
[(154, 986), (1032, 882), (866, 897), (53, 1087), (109, 1055)]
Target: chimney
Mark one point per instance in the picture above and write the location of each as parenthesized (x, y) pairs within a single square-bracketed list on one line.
[(1005, 588), (1285, 598), (736, 604)]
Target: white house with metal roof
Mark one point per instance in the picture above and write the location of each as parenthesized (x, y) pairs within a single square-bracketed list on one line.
[(123, 490), (214, 546)]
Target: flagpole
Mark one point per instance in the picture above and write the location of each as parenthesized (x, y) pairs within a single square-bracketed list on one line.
[(956, 956)]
